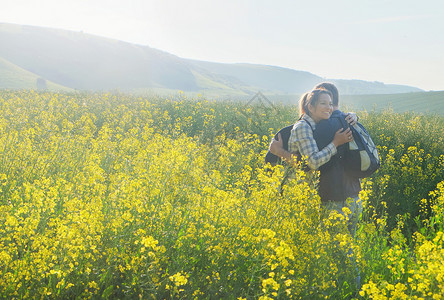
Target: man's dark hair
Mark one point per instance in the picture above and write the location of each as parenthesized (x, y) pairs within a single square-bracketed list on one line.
[(332, 89)]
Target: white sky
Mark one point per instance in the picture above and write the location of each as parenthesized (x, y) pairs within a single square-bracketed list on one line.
[(392, 41)]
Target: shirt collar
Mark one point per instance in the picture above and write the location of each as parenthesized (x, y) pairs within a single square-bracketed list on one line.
[(308, 119)]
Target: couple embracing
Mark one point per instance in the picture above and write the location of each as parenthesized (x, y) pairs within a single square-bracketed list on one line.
[(322, 139)]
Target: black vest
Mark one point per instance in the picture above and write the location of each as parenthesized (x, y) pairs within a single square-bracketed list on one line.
[(331, 179)]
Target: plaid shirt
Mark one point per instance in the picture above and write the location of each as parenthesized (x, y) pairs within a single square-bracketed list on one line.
[(302, 141)]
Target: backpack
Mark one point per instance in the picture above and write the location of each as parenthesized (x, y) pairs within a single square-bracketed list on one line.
[(362, 158), (285, 134)]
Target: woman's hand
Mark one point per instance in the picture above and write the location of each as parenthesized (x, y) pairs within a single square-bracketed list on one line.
[(351, 118), (342, 137), (276, 146)]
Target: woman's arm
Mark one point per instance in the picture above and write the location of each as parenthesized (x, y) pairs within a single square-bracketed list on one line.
[(276, 146)]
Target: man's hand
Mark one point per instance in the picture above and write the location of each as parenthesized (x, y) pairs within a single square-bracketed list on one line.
[(351, 118)]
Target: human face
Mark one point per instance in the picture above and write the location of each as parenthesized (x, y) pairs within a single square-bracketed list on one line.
[(322, 109)]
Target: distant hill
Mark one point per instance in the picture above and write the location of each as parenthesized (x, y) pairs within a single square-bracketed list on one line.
[(75, 60), (86, 62), (259, 77)]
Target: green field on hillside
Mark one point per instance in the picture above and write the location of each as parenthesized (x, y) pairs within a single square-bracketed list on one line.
[(421, 102), (418, 102)]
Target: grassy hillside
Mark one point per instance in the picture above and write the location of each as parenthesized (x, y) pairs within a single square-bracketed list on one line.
[(269, 78), (88, 62), (14, 77)]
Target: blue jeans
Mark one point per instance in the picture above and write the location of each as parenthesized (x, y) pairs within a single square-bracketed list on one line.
[(355, 206)]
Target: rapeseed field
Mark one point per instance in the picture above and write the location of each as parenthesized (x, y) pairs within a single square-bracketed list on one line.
[(117, 196)]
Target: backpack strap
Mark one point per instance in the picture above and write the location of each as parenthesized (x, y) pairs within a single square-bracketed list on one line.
[(300, 119)]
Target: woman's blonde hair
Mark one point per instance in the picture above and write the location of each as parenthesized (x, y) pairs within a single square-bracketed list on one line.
[(311, 98)]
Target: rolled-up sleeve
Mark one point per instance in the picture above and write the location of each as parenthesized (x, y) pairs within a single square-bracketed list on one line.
[(301, 140)]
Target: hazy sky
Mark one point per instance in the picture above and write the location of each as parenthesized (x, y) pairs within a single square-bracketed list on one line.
[(392, 41)]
